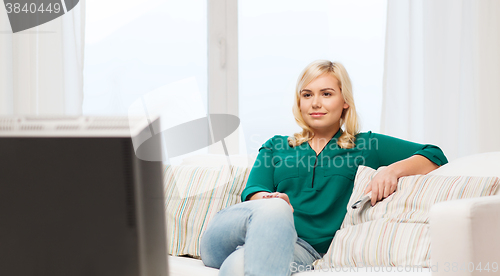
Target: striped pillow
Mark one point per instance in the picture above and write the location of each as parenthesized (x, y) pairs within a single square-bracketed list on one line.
[(395, 232), (193, 195)]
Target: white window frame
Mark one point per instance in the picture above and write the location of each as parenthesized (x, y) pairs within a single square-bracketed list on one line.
[(222, 62)]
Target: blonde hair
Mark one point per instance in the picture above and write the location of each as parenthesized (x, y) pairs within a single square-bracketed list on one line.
[(349, 117)]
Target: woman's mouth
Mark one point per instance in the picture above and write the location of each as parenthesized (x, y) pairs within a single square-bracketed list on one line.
[(317, 115)]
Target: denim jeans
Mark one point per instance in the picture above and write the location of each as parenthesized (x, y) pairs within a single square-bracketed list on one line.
[(255, 237)]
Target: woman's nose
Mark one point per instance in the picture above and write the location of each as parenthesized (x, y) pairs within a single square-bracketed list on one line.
[(316, 102)]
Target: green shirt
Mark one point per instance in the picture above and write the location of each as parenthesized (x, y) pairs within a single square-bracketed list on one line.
[(319, 186)]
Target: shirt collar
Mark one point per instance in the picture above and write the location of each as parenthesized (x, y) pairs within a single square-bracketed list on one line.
[(337, 135), (334, 139)]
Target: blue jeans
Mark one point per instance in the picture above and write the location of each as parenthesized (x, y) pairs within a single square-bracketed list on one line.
[(255, 237)]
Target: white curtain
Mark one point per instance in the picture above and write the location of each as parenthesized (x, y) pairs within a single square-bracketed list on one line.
[(442, 74), (41, 69)]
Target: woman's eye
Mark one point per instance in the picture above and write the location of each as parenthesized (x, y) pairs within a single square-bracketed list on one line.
[(328, 94), (306, 95)]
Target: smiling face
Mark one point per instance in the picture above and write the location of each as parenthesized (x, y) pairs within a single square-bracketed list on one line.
[(322, 103)]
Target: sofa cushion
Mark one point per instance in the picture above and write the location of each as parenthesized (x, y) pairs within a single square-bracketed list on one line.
[(482, 164), (395, 232), (193, 195)]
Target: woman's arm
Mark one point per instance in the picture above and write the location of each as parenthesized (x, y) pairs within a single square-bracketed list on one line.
[(262, 173), (386, 181), (416, 164), (402, 158), (390, 150)]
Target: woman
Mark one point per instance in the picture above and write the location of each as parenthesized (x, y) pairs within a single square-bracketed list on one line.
[(297, 192)]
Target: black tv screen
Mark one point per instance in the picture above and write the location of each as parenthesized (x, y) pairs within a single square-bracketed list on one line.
[(76, 200)]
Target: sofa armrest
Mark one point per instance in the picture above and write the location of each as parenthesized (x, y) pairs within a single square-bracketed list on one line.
[(465, 236)]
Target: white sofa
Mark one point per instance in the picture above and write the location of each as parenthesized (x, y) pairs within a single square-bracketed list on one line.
[(464, 233)]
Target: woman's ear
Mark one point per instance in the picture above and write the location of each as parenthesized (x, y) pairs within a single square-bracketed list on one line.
[(346, 105)]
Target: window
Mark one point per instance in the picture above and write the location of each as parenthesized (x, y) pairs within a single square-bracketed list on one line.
[(152, 47), (135, 47), (153, 51), (277, 39)]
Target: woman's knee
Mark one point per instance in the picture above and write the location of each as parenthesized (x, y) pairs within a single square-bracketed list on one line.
[(276, 207), (207, 254), (234, 264), (216, 245)]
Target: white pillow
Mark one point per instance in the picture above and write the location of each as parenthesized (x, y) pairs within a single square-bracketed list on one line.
[(395, 232), (193, 195), (482, 164)]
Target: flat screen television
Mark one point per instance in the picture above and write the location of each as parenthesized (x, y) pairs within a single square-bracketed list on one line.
[(75, 198)]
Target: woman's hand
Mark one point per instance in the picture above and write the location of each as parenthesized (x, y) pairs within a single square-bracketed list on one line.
[(264, 195), (383, 184), (386, 181)]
